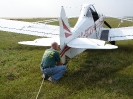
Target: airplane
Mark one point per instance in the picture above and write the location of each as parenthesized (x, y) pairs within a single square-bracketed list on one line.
[(88, 33)]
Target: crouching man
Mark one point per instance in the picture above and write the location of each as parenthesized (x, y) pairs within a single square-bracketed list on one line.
[(51, 65)]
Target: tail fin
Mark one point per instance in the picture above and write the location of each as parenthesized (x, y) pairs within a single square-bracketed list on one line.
[(65, 32), (64, 28), (65, 36)]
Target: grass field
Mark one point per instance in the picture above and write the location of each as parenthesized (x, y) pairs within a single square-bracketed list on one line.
[(94, 74)]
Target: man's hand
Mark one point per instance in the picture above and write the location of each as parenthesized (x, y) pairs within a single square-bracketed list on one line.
[(59, 63)]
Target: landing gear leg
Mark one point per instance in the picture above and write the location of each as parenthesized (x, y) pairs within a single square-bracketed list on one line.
[(112, 42), (67, 59)]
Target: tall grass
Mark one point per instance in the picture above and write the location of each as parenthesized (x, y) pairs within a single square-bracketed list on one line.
[(94, 74)]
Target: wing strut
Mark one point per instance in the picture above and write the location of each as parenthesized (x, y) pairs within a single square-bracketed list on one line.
[(111, 42)]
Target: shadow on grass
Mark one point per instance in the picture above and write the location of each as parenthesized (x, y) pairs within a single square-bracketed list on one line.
[(99, 69)]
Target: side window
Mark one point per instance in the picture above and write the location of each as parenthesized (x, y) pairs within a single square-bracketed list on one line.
[(88, 14)]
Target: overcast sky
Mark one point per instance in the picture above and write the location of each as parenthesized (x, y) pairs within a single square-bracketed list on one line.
[(51, 8)]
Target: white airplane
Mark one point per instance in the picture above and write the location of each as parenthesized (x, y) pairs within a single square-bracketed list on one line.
[(88, 33)]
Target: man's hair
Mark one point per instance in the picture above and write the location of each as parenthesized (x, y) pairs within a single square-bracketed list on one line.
[(54, 44)]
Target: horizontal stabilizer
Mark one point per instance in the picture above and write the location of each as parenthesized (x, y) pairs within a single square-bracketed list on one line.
[(41, 42), (90, 44)]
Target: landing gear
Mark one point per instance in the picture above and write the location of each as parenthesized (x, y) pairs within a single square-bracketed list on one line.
[(66, 60), (112, 42)]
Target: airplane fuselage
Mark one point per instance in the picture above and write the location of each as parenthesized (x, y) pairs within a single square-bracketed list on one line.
[(87, 26)]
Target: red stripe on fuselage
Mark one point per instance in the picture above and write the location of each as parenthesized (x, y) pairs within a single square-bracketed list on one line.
[(99, 24), (66, 48), (90, 30)]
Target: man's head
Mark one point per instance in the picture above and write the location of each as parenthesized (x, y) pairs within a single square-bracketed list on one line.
[(54, 45)]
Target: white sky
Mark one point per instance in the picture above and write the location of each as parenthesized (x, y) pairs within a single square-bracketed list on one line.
[(51, 8)]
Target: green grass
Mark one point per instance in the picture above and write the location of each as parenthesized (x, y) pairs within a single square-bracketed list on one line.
[(94, 74)]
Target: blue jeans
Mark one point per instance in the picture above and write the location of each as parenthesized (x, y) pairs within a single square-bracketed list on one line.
[(55, 72)]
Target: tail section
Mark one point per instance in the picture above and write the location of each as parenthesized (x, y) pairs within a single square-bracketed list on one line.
[(65, 36), (65, 32)]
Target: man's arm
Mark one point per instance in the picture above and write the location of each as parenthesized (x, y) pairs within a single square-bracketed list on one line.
[(58, 59)]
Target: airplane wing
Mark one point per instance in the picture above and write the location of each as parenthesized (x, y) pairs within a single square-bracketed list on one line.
[(37, 29), (89, 43), (116, 34), (121, 18)]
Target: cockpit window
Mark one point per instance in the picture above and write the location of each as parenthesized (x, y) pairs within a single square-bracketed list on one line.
[(94, 13), (88, 14)]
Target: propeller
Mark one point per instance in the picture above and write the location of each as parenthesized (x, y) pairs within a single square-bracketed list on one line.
[(106, 23)]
